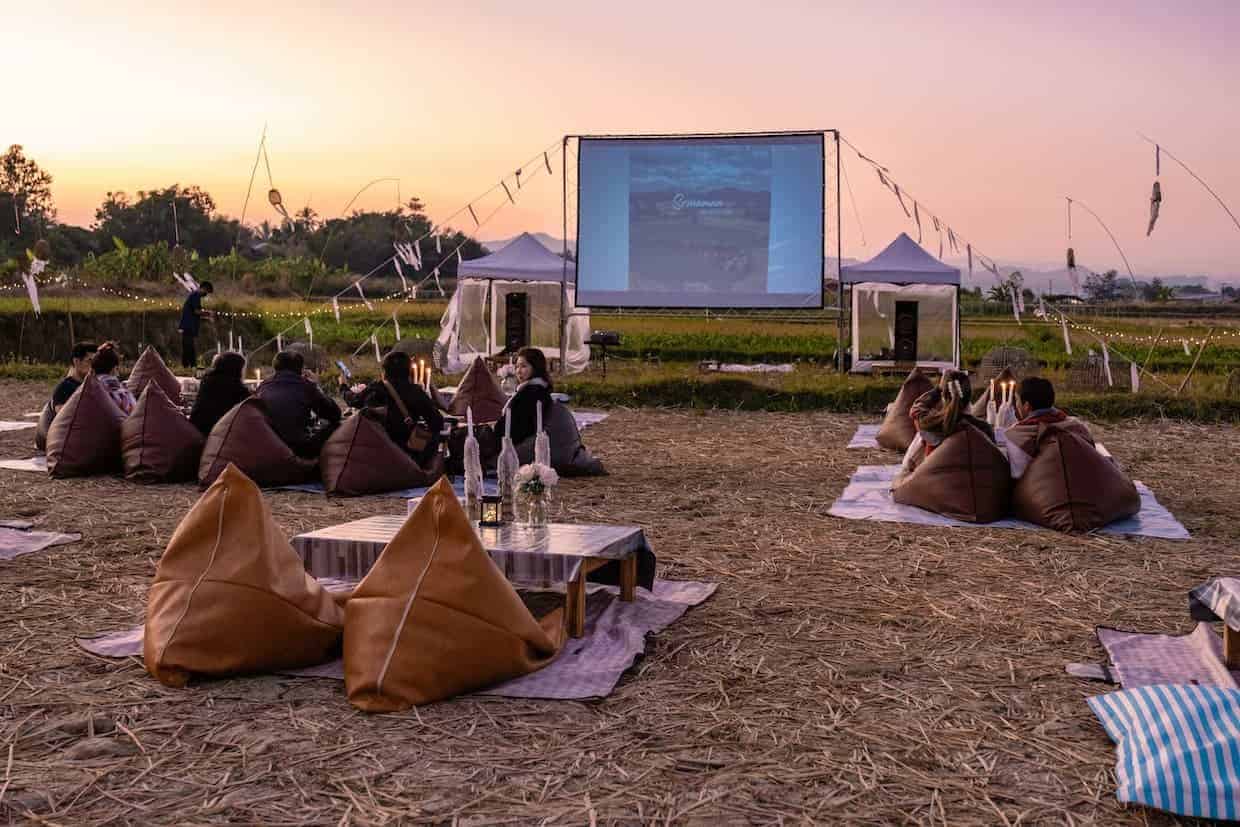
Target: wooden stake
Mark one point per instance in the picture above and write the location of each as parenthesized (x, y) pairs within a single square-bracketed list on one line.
[(1200, 351)]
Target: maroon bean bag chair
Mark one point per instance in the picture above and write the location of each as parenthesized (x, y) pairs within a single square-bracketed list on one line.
[(479, 391), (245, 438), (569, 457), (1068, 485), (966, 478), (151, 368), (85, 436), (897, 430), (45, 424), (359, 458), (158, 443)]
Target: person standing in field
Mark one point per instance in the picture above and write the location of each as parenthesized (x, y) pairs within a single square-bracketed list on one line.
[(191, 322)]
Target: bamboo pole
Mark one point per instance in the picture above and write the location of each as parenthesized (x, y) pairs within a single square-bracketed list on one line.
[(1200, 351)]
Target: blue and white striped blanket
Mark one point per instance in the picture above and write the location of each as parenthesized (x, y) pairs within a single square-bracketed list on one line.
[(1177, 747)]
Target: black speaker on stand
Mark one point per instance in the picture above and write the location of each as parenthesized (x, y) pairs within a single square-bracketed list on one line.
[(516, 321)]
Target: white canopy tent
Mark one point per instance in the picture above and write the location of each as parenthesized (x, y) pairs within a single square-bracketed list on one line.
[(905, 309), (476, 319)]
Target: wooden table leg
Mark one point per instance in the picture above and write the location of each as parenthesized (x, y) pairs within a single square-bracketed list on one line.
[(1231, 647), (628, 578), (575, 606)]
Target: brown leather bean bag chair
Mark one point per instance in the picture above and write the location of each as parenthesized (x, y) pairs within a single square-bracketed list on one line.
[(1068, 485), (150, 368), (85, 437), (978, 408), (435, 617), (359, 458), (568, 456), (245, 438), (45, 423), (480, 391), (230, 595), (966, 478), (158, 443), (897, 430)]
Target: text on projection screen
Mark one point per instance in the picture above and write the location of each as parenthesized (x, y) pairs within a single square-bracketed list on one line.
[(700, 222)]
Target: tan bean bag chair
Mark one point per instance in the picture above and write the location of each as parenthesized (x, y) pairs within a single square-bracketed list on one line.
[(359, 458), (150, 368), (435, 617), (897, 430), (966, 478), (230, 595), (1068, 485), (480, 391), (157, 442), (85, 437), (568, 456), (245, 438), (978, 407), (45, 423)]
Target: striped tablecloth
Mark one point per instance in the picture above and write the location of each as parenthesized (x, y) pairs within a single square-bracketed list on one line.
[(530, 556)]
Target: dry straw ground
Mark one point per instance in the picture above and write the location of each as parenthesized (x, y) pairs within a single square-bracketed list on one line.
[(844, 672)]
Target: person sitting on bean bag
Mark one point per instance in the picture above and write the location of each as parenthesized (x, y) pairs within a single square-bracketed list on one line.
[(1035, 405), (79, 366), (222, 388), (534, 391), (937, 414), (107, 360), (386, 397), (293, 399)]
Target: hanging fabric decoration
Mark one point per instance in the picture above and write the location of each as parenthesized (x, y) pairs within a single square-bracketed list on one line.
[(900, 198), (1187, 351), (458, 256), (438, 286), (17, 217), (240, 345), (518, 174), (404, 285), (951, 240), (1067, 342), (32, 289), (365, 301), (1106, 364), (1041, 311), (279, 342), (1015, 291), (508, 192), (309, 330), (917, 218), (1076, 281), (1071, 259), (232, 343), (1155, 204), (438, 245), (417, 254), (374, 340), (474, 215), (1135, 377), (396, 324), (1020, 297), (547, 161), (969, 249), (336, 309), (405, 253), (219, 348)]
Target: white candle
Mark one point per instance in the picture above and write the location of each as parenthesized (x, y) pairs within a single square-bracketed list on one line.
[(992, 390), (240, 345), (508, 423), (469, 419), (538, 408)]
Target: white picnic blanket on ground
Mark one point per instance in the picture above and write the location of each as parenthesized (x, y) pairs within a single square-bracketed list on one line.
[(868, 497), (16, 540), (866, 436), (37, 464), (9, 425)]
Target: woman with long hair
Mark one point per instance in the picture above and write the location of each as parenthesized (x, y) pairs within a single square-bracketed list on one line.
[(534, 391), (940, 412), (403, 406), (222, 388), (107, 359)]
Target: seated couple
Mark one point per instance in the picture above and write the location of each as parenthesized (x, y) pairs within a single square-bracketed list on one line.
[(103, 361)]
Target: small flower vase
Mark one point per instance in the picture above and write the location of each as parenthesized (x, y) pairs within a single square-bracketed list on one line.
[(533, 508)]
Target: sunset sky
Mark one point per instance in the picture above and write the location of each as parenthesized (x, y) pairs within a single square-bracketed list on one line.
[(989, 112)]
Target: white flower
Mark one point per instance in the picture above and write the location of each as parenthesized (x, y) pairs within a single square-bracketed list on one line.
[(536, 475), (358, 388), (505, 371)]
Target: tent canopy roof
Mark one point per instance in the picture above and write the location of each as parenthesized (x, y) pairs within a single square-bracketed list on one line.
[(522, 259), (903, 262)]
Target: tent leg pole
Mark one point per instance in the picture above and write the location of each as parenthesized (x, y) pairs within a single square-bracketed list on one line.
[(839, 260), (564, 256)]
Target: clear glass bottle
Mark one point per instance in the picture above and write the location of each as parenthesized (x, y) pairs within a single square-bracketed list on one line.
[(506, 470)]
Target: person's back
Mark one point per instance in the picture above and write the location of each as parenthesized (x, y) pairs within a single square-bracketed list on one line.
[(107, 359), (222, 388), (293, 401), (420, 407), (1038, 416)]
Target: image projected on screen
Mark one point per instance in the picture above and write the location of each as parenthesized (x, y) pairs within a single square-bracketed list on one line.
[(700, 222)]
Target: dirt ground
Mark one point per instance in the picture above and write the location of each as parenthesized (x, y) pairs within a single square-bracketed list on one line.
[(844, 671)]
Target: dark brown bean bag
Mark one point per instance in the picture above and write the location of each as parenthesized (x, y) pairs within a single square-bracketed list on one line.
[(966, 478), (359, 458), (151, 368), (897, 430), (230, 595), (158, 443), (245, 438), (45, 424), (978, 408), (479, 391), (85, 437), (1068, 485), (568, 456)]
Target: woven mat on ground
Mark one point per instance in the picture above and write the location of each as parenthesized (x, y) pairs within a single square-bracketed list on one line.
[(458, 485), (37, 464), (9, 425), (587, 667), (866, 437), (868, 497), (1140, 659), (16, 541)]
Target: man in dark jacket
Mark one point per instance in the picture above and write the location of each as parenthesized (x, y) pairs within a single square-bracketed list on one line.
[(191, 323), (293, 400), (79, 366)]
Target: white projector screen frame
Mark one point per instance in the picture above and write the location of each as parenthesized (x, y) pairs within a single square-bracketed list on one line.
[(811, 299)]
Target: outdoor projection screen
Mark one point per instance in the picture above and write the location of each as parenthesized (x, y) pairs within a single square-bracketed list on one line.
[(732, 221)]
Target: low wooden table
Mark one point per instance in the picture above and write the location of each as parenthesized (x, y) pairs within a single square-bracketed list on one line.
[(1219, 600), (529, 556)]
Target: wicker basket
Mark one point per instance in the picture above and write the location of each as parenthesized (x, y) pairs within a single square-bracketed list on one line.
[(1019, 360)]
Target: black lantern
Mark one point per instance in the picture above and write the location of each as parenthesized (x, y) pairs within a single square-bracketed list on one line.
[(491, 510)]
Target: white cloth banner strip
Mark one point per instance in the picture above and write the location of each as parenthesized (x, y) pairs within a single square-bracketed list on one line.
[(1135, 374), (1106, 364), (32, 289), (404, 285), (374, 340), (1187, 352), (309, 330), (279, 342), (396, 324), (365, 300), (336, 309), (1067, 342)]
